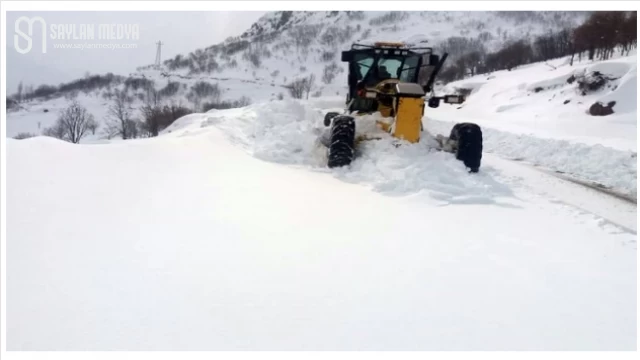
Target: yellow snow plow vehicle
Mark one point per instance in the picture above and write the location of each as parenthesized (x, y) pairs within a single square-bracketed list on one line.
[(394, 81)]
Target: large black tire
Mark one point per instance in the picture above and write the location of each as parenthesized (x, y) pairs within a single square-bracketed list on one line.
[(342, 146), (469, 144)]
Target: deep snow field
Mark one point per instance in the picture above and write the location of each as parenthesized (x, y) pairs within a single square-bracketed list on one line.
[(227, 232)]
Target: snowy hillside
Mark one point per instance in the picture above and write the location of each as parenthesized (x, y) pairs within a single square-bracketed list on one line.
[(540, 99), (284, 45)]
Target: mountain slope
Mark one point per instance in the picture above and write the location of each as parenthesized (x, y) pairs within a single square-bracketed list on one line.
[(282, 46)]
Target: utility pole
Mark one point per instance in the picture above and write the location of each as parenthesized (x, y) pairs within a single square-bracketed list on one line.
[(158, 52)]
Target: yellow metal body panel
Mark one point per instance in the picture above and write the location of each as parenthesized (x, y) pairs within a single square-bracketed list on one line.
[(385, 111), (408, 119)]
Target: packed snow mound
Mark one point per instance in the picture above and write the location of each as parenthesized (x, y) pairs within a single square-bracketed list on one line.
[(288, 132)]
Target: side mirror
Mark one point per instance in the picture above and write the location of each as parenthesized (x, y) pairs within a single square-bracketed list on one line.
[(434, 102), (454, 99), (347, 56)]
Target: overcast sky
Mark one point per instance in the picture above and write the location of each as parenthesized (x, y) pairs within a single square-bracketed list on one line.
[(181, 32)]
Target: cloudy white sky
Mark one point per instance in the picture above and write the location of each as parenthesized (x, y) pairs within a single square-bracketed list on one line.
[(181, 32)]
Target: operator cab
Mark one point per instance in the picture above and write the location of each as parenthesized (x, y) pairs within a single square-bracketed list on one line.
[(371, 64)]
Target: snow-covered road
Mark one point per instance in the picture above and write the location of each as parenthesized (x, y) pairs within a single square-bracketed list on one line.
[(226, 233)]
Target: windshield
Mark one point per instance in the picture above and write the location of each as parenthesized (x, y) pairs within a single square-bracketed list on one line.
[(388, 68), (403, 68)]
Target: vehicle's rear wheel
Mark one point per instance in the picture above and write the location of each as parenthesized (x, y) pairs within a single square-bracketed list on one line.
[(468, 137), (341, 148)]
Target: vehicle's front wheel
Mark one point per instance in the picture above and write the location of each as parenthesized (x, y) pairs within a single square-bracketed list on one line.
[(341, 147)]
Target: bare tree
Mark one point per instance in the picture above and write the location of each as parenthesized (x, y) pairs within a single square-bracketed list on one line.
[(308, 84), (203, 90), (151, 114), (156, 118), (603, 31), (296, 88), (28, 92), (301, 87), (628, 35), (330, 72), (72, 124), (93, 126), (24, 135), (119, 115), (20, 87)]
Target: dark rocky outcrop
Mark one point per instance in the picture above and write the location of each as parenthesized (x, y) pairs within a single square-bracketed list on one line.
[(599, 109)]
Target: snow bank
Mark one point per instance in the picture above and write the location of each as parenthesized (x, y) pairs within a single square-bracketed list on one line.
[(607, 166), (287, 132)]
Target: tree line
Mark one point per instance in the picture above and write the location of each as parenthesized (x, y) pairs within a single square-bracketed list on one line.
[(598, 38), (125, 121)]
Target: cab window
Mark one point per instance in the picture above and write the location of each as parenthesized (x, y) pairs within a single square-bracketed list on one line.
[(409, 69), (363, 63)]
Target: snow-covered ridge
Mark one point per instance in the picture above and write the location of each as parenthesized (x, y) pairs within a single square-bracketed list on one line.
[(284, 45)]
